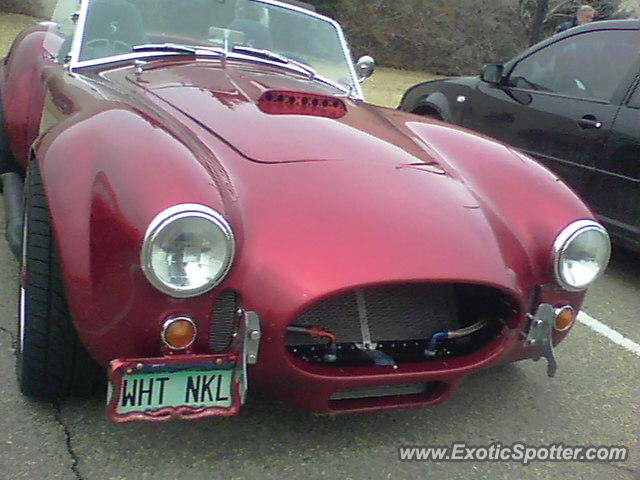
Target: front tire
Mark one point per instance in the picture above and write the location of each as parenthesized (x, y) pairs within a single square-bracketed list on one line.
[(428, 112), (51, 361)]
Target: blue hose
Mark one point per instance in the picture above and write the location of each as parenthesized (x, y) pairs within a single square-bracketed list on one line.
[(431, 349), (432, 346)]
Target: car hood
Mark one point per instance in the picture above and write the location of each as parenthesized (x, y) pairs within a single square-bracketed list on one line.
[(224, 100), (376, 196), (359, 200)]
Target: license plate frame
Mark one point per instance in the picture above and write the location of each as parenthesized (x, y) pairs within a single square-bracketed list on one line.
[(129, 369)]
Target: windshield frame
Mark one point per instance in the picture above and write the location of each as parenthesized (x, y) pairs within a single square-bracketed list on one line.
[(74, 54)]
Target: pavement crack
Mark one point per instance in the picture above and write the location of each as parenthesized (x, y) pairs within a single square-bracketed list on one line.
[(10, 333), (67, 432)]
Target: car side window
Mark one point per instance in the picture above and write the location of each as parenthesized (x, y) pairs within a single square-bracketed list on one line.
[(590, 65)]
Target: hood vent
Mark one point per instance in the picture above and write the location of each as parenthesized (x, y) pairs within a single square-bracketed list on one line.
[(277, 102)]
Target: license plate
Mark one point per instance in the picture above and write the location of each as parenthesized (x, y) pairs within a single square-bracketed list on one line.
[(161, 389)]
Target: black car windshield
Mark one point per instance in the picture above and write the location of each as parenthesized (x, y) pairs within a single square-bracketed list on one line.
[(114, 28)]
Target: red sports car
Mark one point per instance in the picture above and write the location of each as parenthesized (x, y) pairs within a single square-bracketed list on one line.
[(201, 201)]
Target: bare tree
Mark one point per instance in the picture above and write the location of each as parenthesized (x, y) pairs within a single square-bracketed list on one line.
[(542, 8)]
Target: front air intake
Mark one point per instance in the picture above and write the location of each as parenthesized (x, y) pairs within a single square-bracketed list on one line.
[(224, 321), (278, 102), (394, 324)]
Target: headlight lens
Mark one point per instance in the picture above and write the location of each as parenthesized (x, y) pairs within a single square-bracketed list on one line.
[(188, 250), (582, 253)]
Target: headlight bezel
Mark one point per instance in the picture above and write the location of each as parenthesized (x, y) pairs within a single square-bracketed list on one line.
[(164, 219), (563, 241)]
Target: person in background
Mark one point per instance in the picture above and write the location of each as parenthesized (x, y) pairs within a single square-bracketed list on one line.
[(584, 14)]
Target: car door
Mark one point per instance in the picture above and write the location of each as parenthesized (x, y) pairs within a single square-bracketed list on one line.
[(559, 103), (615, 189)]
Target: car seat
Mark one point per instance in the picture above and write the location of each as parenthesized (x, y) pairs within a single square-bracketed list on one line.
[(256, 34)]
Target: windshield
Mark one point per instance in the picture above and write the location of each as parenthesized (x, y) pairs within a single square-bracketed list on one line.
[(114, 27)]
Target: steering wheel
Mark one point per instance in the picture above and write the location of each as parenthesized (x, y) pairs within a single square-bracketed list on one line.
[(105, 47)]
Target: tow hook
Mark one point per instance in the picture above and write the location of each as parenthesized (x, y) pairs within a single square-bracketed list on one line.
[(539, 336), (378, 357)]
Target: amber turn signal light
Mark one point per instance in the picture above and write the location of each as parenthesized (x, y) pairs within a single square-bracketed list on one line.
[(564, 318), (179, 333)]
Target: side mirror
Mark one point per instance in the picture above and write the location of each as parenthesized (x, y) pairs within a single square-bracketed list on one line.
[(365, 67), (492, 74)]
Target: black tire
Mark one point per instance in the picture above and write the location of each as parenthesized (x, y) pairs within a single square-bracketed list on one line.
[(429, 113), (51, 361)]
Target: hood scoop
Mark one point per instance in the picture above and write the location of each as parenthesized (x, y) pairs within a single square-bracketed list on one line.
[(282, 102)]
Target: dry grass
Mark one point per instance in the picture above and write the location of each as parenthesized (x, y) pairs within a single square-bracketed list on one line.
[(10, 25), (385, 87)]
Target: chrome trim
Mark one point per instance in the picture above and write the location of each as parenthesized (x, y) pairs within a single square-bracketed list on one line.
[(74, 53), (562, 242), (168, 322), (23, 293), (252, 336), (355, 90), (123, 58), (138, 56), (540, 337), (557, 311), (22, 318), (365, 67), (163, 219), (367, 344)]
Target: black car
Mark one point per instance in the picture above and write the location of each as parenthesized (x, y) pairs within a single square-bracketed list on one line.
[(571, 101)]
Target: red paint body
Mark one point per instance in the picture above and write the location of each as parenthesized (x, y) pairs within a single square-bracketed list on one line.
[(318, 206)]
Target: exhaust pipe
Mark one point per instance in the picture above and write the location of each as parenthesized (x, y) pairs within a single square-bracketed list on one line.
[(13, 194)]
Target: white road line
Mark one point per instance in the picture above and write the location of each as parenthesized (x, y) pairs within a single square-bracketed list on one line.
[(616, 337)]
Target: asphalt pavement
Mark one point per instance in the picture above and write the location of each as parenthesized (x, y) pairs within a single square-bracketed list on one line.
[(593, 400)]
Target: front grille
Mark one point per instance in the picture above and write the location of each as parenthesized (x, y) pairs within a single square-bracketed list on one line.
[(223, 322), (396, 312), (393, 324)]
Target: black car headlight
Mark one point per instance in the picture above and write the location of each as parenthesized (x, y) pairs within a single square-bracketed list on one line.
[(581, 254), (188, 250)]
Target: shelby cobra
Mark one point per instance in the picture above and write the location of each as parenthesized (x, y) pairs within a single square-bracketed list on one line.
[(209, 203)]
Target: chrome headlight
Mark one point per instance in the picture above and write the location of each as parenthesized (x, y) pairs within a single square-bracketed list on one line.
[(581, 254), (187, 250)]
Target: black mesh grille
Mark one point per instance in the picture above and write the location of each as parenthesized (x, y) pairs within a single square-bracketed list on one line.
[(395, 312), (401, 320), (223, 322)]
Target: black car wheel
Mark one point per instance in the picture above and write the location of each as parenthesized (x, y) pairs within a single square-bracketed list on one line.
[(51, 360), (428, 112)]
